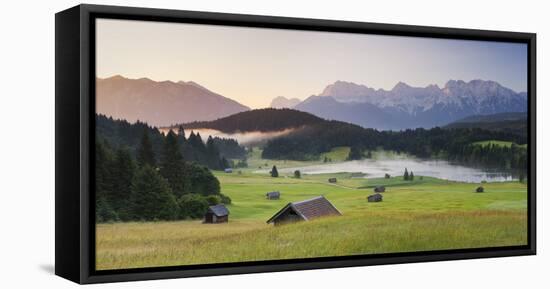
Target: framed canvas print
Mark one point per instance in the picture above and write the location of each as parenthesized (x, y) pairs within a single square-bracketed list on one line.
[(193, 144)]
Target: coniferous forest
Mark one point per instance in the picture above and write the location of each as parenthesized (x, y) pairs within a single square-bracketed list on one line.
[(451, 144), (214, 154), (142, 175)]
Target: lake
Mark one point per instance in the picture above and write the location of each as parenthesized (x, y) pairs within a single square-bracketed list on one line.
[(395, 166)]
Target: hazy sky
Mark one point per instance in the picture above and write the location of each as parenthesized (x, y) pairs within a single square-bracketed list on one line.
[(254, 65)]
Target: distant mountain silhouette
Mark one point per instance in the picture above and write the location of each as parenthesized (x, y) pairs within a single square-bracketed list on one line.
[(410, 107), (283, 102), (161, 103)]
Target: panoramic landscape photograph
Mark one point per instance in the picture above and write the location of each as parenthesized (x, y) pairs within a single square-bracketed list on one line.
[(218, 144)]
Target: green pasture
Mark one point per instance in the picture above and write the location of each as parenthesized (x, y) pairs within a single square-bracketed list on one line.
[(255, 161), (427, 214)]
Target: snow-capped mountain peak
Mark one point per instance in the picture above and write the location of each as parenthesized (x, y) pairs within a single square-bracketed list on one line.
[(430, 105)]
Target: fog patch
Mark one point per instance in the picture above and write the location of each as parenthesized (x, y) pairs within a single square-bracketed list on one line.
[(244, 138)]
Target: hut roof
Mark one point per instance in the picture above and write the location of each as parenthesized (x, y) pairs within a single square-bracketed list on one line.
[(375, 197), (219, 210), (309, 209)]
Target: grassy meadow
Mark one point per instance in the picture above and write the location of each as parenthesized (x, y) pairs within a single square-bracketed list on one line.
[(419, 215)]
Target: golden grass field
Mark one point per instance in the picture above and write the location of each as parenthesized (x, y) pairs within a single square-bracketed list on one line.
[(428, 214)]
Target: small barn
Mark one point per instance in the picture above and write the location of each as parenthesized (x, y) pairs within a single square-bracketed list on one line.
[(216, 214), (304, 211), (374, 198), (332, 180), (379, 189), (228, 170), (273, 195)]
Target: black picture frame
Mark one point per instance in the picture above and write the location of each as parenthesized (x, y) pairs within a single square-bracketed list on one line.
[(75, 108)]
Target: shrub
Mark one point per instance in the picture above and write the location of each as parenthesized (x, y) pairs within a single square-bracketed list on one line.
[(192, 206), (225, 199), (213, 200), (201, 181)]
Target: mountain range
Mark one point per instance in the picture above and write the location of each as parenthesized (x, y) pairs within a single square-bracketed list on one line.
[(161, 103), (166, 103), (405, 106)]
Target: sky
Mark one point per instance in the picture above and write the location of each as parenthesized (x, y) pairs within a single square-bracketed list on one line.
[(255, 65)]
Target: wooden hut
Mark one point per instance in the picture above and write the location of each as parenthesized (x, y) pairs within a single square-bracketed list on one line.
[(379, 189), (304, 211), (216, 214), (374, 198), (273, 195), (332, 180)]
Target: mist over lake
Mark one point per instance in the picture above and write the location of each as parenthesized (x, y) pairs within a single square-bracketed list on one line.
[(384, 162), (395, 166)]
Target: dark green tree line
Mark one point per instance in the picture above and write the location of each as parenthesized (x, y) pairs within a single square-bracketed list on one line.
[(140, 189)]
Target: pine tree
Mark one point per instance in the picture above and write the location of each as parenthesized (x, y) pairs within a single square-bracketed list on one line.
[(172, 165), (145, 153), (411, 176), (181, 132), (104, 212), (213, 155), (151, 197), (406, 175), (123, 175), (103, 170), (354, 153), (225, 163), (198, 143), (274, 172)]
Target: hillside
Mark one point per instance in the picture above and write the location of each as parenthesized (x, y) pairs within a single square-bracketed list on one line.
[(160, 103), (313, 136), (515, 123), (264, 120)]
